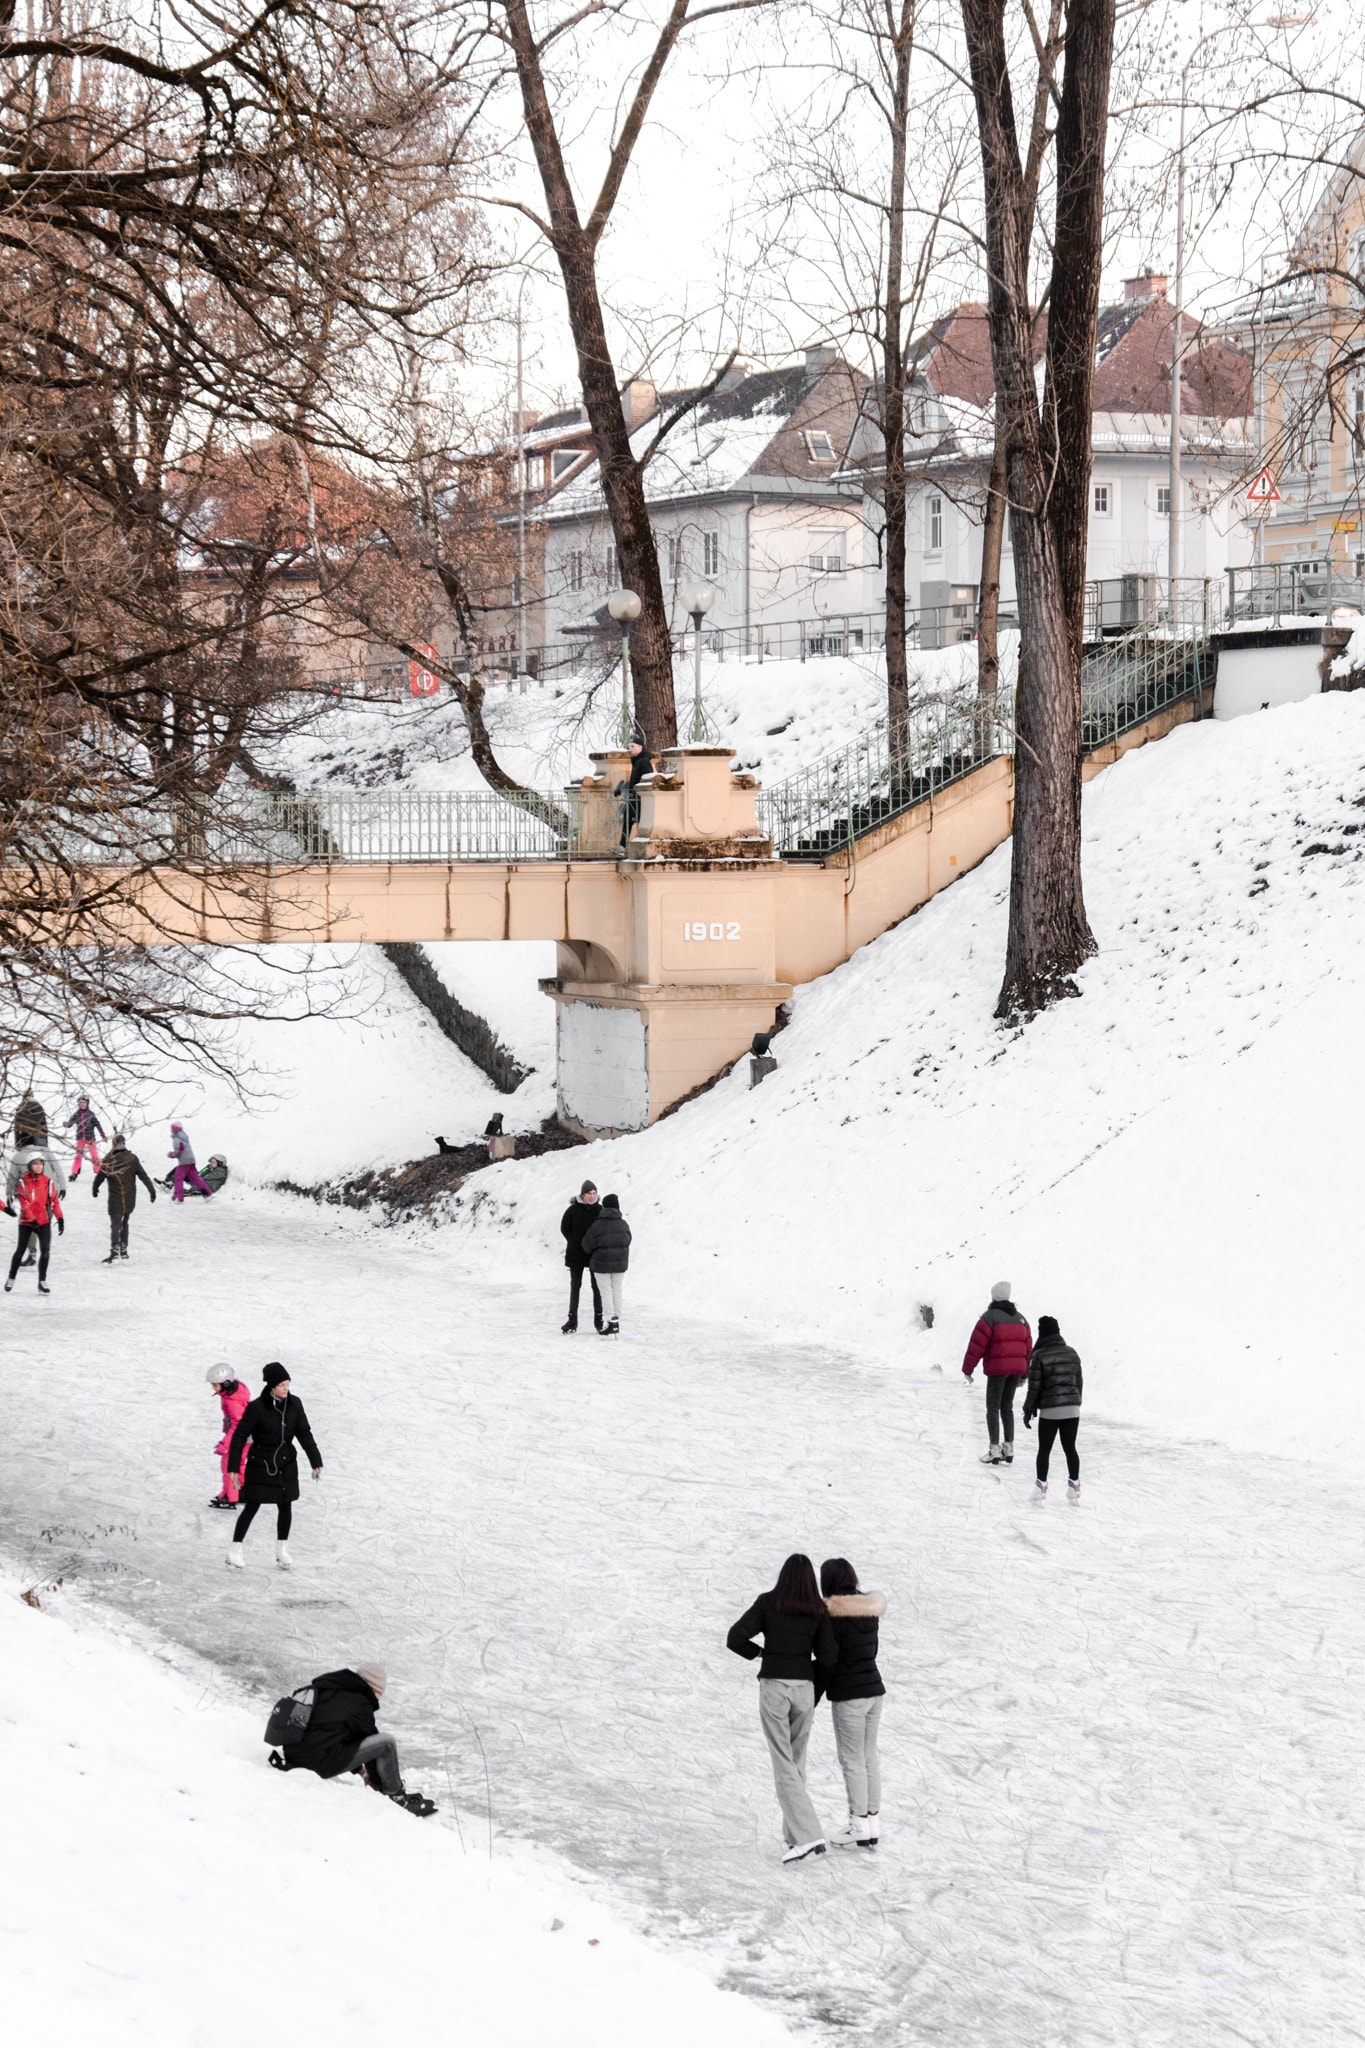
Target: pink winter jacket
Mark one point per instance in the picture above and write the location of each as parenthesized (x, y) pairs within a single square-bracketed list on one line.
[(234, 1407)]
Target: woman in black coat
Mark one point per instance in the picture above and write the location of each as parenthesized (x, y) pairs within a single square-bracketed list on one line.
[(855, 1697), (271, 1423), (798, 1646)]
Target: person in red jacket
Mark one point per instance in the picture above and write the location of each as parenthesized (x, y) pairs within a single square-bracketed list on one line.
[(1002, 1344), (38, 1203)]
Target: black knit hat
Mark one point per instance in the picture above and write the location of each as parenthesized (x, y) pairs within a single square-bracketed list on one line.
[(274, 1373), (1047, 1328), (588, 1187), (610, 1202)]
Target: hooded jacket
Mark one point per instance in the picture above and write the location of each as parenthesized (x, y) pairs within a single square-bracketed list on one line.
[(574, 1226), (88, 1125), (1054, 1378), (607, 1242), (39, 1201), (235, 1396), (272, 1466), (123, 1170), (1001, 1343), (182, 1152), (855, 1617), (344, 1708), (794, 1645)]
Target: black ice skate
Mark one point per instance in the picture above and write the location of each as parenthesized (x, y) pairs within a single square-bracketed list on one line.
[(567, 1329), (413, 1802), (43, 1287)]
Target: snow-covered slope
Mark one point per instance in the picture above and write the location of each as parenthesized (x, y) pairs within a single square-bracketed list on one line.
[(1169, 1164), (161, 1888)]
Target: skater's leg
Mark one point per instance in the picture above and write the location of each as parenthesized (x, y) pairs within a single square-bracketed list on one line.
[(786, 1708), (178, 1189), (123, 1238), (1067, 1432), (20, 1247), (284, 1520), (378, 1755), (1007, 1387), (575, 1290), (44, 1236), (244, 1521), (611, 1295), (116, 1224), (993, 1390), (93, 1149), (197, 1181), (1047, 1437), (850, 1722), (596, 1300), (871, 1758)]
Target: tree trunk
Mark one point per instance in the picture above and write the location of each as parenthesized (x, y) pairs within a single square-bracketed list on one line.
[(988, 596), (623, 484), (893, 391), (1047, 465)]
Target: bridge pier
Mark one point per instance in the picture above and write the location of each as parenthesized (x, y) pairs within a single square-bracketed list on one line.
[(682, 969)]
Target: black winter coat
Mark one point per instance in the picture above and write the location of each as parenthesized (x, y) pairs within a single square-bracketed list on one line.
[(574, 1226), (30, 1123), (1054, 1378), (855, 1616), (88, 1125), (272, 1466), (123, 1170), (794, 1645), (343, 1715), (607, 1243)]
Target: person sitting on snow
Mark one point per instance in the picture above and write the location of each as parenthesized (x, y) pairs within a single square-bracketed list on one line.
[(342, 1735)]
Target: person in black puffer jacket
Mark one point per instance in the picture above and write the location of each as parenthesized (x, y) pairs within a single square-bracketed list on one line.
[(1054, 1396), (607, 1244), (342, 1735), (574, 1226), (798, 1641), (855, 1696), (270, 1425)]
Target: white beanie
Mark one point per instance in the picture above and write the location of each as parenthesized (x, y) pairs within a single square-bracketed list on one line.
[(1002, 1291)]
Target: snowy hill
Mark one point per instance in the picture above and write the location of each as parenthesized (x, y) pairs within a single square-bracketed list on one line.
[(162, 1889), (1169, 1164)]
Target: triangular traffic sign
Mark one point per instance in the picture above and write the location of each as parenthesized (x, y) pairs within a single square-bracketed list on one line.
[(1264, 490)]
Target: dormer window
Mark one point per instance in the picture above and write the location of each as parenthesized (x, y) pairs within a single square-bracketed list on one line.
[(563, 460), (819, 447)]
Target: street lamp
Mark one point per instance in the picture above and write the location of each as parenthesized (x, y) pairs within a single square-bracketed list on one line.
[(624, 606), (697, 602)]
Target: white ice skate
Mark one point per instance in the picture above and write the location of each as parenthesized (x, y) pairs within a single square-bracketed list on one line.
[(236, 1556), (993, 1456), (848, 1836), (800, 1849), (1007, 1454), (282, 1563), (871, 1830), (1073, 1492), (1039, 1494)]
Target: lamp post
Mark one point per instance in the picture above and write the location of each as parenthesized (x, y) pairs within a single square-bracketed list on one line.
[(697, 602), (624, 606)]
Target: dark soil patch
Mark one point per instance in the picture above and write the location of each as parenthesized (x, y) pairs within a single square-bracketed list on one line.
[(404, 1191)]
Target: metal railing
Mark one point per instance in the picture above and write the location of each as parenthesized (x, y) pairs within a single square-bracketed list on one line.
[(1279, 590)]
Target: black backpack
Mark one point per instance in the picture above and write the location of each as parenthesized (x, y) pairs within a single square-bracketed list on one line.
[(289, 1718)]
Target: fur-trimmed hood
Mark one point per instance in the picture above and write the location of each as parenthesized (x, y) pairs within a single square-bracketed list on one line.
[(845, 1606)]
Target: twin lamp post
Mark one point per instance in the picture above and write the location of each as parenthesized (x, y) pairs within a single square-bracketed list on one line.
[(624, 606)]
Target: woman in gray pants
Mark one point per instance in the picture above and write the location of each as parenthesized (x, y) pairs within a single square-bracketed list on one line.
[(855, 1698), (798, 1644)]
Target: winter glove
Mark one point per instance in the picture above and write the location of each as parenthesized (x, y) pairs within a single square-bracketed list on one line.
[(61, 1226), (9, 1208), (1028, 1419), (153, 1194)]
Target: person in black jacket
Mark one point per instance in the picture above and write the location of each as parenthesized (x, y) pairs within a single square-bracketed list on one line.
[(342, 1735), (641, 764), (574, 1226), (798, 1641), (270, 1424), (855, 1698), (607, 1245), (1054, 1396), (122, 1170)]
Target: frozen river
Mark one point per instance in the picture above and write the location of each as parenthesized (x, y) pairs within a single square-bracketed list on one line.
[(1123, 1784)]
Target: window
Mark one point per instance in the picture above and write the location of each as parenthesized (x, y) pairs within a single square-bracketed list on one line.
[(935, 510), (563, 459), (1358, 415), (826, 556), (1102, 500), (819, 447), (576, 569), (710, 554), (673, 555), (1163, 501), (613, 565)]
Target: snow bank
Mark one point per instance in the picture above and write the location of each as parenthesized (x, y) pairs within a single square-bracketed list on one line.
[(162, 1888), (1170, 1164)]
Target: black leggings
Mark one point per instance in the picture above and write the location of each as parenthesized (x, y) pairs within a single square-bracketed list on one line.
[(284, 1517), (43, 1233), (1048, 1432), (1000, 1388)]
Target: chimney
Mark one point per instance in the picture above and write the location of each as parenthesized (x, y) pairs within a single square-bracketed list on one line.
[(639, 401), (820, 358), (1150, 285)]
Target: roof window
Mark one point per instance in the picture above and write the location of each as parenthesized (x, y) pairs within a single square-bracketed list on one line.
[(819, 447)]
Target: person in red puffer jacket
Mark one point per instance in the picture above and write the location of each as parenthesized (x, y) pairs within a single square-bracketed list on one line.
[(39, 1203), (1002, 1344)]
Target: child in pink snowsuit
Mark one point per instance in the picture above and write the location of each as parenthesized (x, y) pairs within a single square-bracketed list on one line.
[(235, 1396), (182, 1152)]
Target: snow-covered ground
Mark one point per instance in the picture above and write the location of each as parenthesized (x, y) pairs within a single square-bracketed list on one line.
[(1124, 1802)]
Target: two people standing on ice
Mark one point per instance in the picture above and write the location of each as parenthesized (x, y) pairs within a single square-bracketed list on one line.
[(596, 1241), (818, 1640), (1002, 1344), (271, 1424)]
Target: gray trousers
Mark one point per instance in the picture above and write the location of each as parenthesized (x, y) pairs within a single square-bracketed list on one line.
[(380, 1752), (786, 1707), (610, 1284), (855, 1737)]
